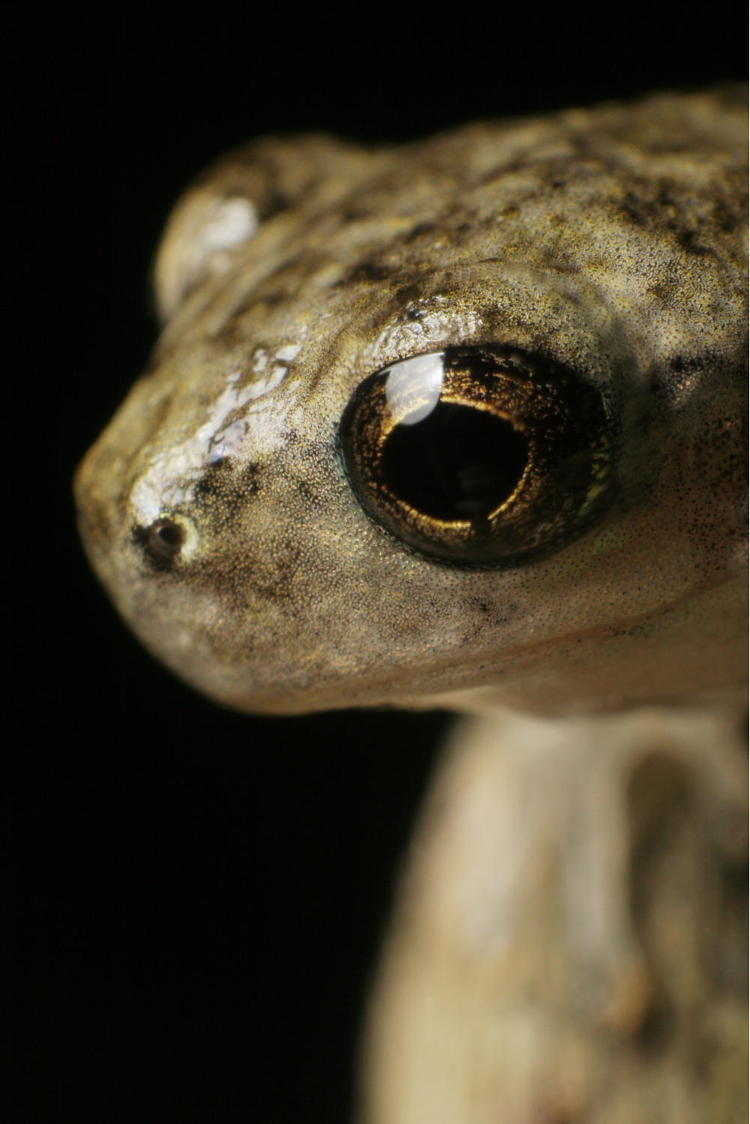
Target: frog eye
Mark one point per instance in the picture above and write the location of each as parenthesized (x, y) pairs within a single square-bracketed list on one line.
[(480, 455)]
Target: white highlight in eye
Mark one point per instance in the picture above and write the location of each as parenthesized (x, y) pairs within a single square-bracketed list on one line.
[(233, 221), (413, 387)]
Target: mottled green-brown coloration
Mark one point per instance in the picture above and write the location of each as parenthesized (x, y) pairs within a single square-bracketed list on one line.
[(218, 511)]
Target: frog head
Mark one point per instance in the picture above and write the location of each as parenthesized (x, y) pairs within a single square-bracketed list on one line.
[(457, 423)]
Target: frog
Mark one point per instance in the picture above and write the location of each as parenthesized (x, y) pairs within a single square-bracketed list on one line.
[(459, 423)]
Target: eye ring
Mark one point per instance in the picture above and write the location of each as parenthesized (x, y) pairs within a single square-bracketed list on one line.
[(512, 454)]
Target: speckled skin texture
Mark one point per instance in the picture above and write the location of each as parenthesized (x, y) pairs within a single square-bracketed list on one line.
[(569, 943), (609, 239)]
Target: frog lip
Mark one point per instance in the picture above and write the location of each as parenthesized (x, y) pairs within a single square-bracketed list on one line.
[(516, 676)]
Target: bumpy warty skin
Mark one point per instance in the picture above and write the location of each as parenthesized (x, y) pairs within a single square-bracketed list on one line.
[(610, 239)]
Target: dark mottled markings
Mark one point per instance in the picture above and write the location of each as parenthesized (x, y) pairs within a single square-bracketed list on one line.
[(665, 291), (274, 298), (406, 296), (688, 239), (222, 482), (356, 212), (685, 363), (725, 217), (276, 202), (633, 208), (663, 211), (421, 230), (365, 271), (312, 495), (667, 383), (277, 581)]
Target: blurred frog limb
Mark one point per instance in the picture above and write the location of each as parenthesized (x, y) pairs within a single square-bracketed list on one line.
[(570, 933)]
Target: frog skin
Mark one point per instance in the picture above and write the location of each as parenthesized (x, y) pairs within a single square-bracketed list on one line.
[(567, 944)]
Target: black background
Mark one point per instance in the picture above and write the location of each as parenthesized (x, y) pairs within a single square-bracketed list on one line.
[(199, 895)]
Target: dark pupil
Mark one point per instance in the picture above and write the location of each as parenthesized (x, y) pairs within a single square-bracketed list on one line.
[(458, 463)]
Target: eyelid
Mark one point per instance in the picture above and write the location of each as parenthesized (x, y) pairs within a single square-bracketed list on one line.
[(566, 317)]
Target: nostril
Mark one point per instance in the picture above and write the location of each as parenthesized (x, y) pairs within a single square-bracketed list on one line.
[(163, 540)]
